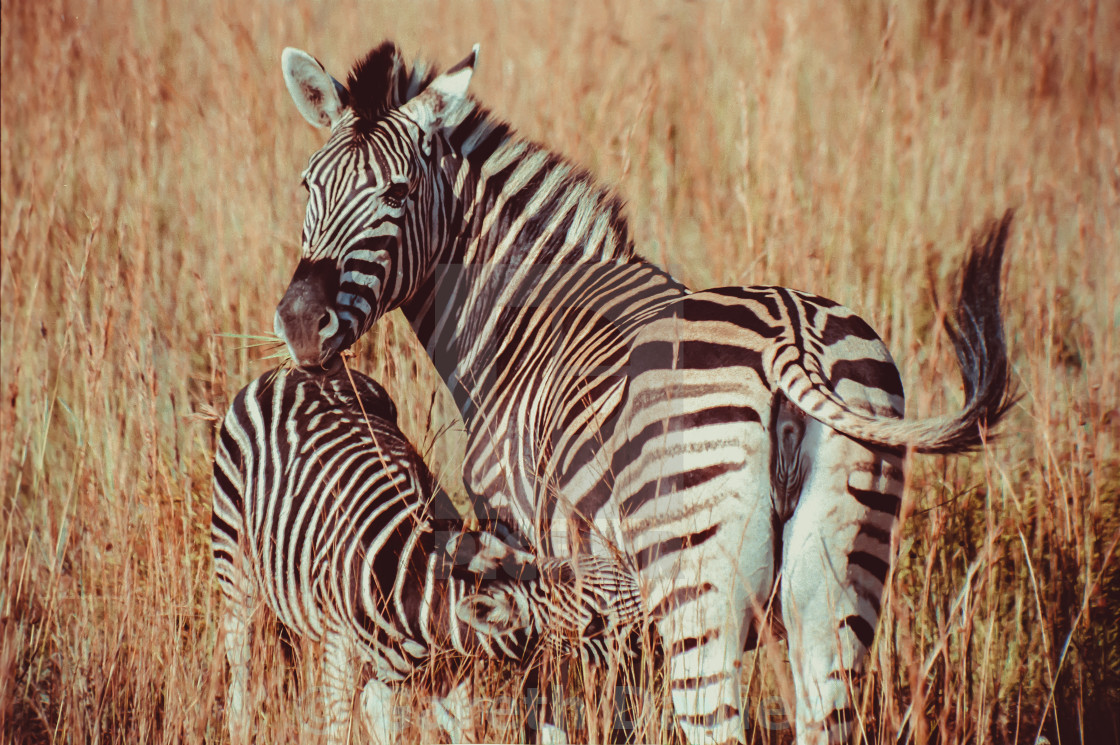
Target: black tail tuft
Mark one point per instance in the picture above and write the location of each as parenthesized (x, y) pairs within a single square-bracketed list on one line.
[(979, 340)]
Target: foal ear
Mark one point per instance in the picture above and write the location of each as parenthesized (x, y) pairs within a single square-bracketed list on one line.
[(481, 553), (492, 615), (434, 107), (317, 95)]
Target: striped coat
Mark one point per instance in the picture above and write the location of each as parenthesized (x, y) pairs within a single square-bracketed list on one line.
[(744, 446), (324, 513)]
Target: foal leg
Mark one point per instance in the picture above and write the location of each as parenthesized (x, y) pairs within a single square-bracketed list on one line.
[(340, 673), (236, 623)]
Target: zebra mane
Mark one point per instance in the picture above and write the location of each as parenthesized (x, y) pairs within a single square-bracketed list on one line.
[(482, 137), (382, 80)]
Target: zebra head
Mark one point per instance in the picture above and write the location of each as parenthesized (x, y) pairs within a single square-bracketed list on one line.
[(371, 194)]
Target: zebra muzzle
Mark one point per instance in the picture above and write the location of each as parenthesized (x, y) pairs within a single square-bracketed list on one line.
[(306, 320)]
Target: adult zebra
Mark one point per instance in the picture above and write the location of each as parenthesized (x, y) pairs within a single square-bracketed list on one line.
[(722, 438), (324, 513)]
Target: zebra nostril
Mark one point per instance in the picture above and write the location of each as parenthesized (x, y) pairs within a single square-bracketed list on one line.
[(328, 324)]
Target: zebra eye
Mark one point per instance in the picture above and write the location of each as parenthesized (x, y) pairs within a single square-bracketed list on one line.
[(395, 195)]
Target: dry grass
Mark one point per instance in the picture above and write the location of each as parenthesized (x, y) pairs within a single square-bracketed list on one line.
[(150, 200)]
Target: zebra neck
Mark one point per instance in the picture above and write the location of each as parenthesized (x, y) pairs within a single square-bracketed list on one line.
[(521, 220), (482, 324)]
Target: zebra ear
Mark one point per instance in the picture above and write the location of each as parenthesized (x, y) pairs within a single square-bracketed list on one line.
[(482, 553), (492, 615), (317, 95), (434, 108)]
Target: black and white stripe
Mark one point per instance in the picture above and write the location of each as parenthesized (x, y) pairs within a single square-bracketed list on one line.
[(740, 444), (324, 513)]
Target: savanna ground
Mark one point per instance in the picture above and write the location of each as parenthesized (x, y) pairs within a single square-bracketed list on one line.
[(151, 204)]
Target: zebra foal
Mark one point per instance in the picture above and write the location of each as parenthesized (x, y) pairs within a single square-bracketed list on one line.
[(738, 444), (324, 513)]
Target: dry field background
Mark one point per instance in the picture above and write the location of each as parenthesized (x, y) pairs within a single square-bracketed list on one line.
[(151, 202)]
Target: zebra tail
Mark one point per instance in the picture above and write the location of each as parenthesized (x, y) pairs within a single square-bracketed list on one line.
[(978, 339)]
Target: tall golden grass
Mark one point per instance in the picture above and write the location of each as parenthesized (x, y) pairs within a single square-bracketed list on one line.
[(150, 203)]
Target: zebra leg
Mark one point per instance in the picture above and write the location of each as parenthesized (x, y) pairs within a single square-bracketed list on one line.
[(705, 607), (340, 672), (454, 712), (378, 713), (836, 554), (236, 623), (551, 726), (541, 698)]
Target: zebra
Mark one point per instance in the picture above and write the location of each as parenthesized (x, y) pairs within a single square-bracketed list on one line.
[(324, 513), (744, 447)]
